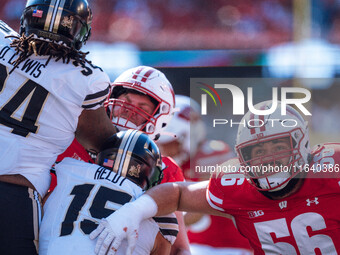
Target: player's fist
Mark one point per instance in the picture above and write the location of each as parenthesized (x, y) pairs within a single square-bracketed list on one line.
[(112, 230), (123, 224)]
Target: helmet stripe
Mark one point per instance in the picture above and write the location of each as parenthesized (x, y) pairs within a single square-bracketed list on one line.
[(128, 138), (137, 72), (121, 150), (261, 122), (263, 126), (55, 9), (126, 147), (146, 75), (49, 15), (252, 118), (129, 153), (58, 17)]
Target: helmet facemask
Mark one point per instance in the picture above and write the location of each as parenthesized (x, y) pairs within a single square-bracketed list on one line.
[(126, 115), (121, 113), (275, 167), (149, 82), (272, 172)]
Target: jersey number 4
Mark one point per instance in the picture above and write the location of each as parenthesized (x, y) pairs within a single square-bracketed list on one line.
[(29, 95), (97, 207)]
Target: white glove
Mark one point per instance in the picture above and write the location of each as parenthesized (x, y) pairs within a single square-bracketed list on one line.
[(123, 223)]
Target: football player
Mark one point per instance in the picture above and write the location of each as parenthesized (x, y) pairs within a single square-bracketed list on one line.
[(142, 98), (206, 233), (286, 205), (50, 93), (128, 164)]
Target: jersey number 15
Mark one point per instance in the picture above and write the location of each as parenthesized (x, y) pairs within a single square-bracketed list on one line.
[(97, 208)]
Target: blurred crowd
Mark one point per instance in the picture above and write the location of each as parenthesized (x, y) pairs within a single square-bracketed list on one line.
[(197, 24), (219, 24)]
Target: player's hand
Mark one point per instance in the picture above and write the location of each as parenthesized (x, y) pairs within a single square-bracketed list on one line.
[(114, 229)]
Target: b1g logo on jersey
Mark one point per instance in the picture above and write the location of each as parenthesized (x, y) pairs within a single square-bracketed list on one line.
[(254, 214), (238, 99)]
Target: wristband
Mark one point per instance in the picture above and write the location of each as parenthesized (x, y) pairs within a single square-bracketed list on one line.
[(145, 206)]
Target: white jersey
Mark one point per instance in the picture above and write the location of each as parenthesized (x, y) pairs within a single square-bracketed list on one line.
[(39, 109), (85, 194)]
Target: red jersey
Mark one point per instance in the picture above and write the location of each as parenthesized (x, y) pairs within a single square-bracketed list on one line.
[(210, 230), (172, 172), (76, 151), (306, 222), (217, 232)]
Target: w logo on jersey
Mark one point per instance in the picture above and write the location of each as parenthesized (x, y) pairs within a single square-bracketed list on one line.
[(283, 204)]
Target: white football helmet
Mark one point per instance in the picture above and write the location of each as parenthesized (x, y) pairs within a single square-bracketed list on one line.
[(147, 81), (186, 118), (257, 129)]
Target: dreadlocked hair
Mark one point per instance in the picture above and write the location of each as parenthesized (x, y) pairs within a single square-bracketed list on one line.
[(25, 46)]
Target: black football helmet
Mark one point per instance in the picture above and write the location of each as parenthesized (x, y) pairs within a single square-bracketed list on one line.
[(134, 155), (67, 21)]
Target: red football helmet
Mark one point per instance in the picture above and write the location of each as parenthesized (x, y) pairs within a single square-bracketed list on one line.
[(146, 81), (256, 130)]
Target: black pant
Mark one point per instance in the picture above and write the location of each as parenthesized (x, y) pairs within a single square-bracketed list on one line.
[(20, 216)]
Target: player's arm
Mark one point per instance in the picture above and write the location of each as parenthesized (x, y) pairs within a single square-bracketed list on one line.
[(160, 200), (172, 174), (182, 196), (192, 218), (161, 246), (94, 127)]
